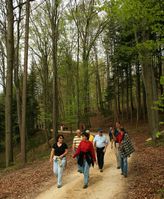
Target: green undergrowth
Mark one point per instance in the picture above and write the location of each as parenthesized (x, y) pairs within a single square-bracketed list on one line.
[(38, 150), (156, 143)]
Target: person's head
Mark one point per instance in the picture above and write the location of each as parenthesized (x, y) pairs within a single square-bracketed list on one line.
[(100, 131), (118, 124), (110, 128), (60, 138), (78, 132), (85, 136), (87, 131)]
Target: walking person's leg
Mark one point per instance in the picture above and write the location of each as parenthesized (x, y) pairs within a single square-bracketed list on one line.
[(122, 165), (117, 153), (55, 168), (60, 171), (86, 174), (98, 157), (101, 159), (125, 166)]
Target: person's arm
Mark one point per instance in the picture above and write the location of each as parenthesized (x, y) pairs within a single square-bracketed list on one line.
[(94, 143), (78, 150), (52, 155), (73, 146), (106, 144), (114, 137), (65, 153), (92, 152)]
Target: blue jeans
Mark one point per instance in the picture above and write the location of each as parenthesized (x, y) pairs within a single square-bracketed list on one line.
[(85, 170), (58, 169), (117, 154), (124, 165)]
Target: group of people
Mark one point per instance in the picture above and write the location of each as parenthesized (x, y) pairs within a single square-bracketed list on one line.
[(89, 149)]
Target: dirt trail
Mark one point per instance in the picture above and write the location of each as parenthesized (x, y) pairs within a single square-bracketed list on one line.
[(106, 185)]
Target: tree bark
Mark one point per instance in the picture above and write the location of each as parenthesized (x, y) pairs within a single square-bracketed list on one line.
[(77, 81), (9, 86), (100, 101), (138, 92), (54, 27), (24, 92), (151, 92)]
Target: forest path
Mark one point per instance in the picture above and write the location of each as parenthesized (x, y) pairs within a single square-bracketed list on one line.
[(106, 185)]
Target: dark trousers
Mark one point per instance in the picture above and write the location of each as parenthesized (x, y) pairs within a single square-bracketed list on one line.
[(100, 157)]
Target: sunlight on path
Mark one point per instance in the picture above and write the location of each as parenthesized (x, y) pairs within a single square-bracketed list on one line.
[(106, 185)]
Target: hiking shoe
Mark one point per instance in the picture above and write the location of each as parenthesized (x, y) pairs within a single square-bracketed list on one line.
[(59, 186), (85, 186), (101, 170), (122, 173), (118, 167), (80, 171), (125, 175)]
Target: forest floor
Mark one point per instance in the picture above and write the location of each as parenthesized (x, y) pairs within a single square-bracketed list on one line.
[(145, 179)]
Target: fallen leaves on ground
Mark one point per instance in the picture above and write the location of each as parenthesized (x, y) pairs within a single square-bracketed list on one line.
[(29, 181), (146, 175)]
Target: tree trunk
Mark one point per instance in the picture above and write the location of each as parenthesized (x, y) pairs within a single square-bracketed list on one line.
[(127, 92), (122, 95), (98, 81), (138, 92), (116, 117), (86, 92), (54, 27), (24, 92), (9, 78), (151, 92), (131, 92), (16, 71), (3, 72), (77, 81)]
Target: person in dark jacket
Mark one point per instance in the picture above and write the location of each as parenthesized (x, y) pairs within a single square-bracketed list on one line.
[(86, 154)]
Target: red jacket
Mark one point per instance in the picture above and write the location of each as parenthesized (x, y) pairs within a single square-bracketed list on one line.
[(120, 137), (85, 146)]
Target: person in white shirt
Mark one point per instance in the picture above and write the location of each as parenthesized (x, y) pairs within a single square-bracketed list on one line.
[(100, 143)]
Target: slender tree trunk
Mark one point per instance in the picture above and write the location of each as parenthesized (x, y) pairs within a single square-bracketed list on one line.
[(16, 71), (116, 118), (86, 89), (54, 27), (118, 96), (98, 81), (160, 69), (144, 108), (131, 92), (77, 81), (9, 78), (122, 95), (108, 72), (3, 72), (127, 92), (24, 93), (138, 92)]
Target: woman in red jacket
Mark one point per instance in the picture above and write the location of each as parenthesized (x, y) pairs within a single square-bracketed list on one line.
[(86, 154)]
